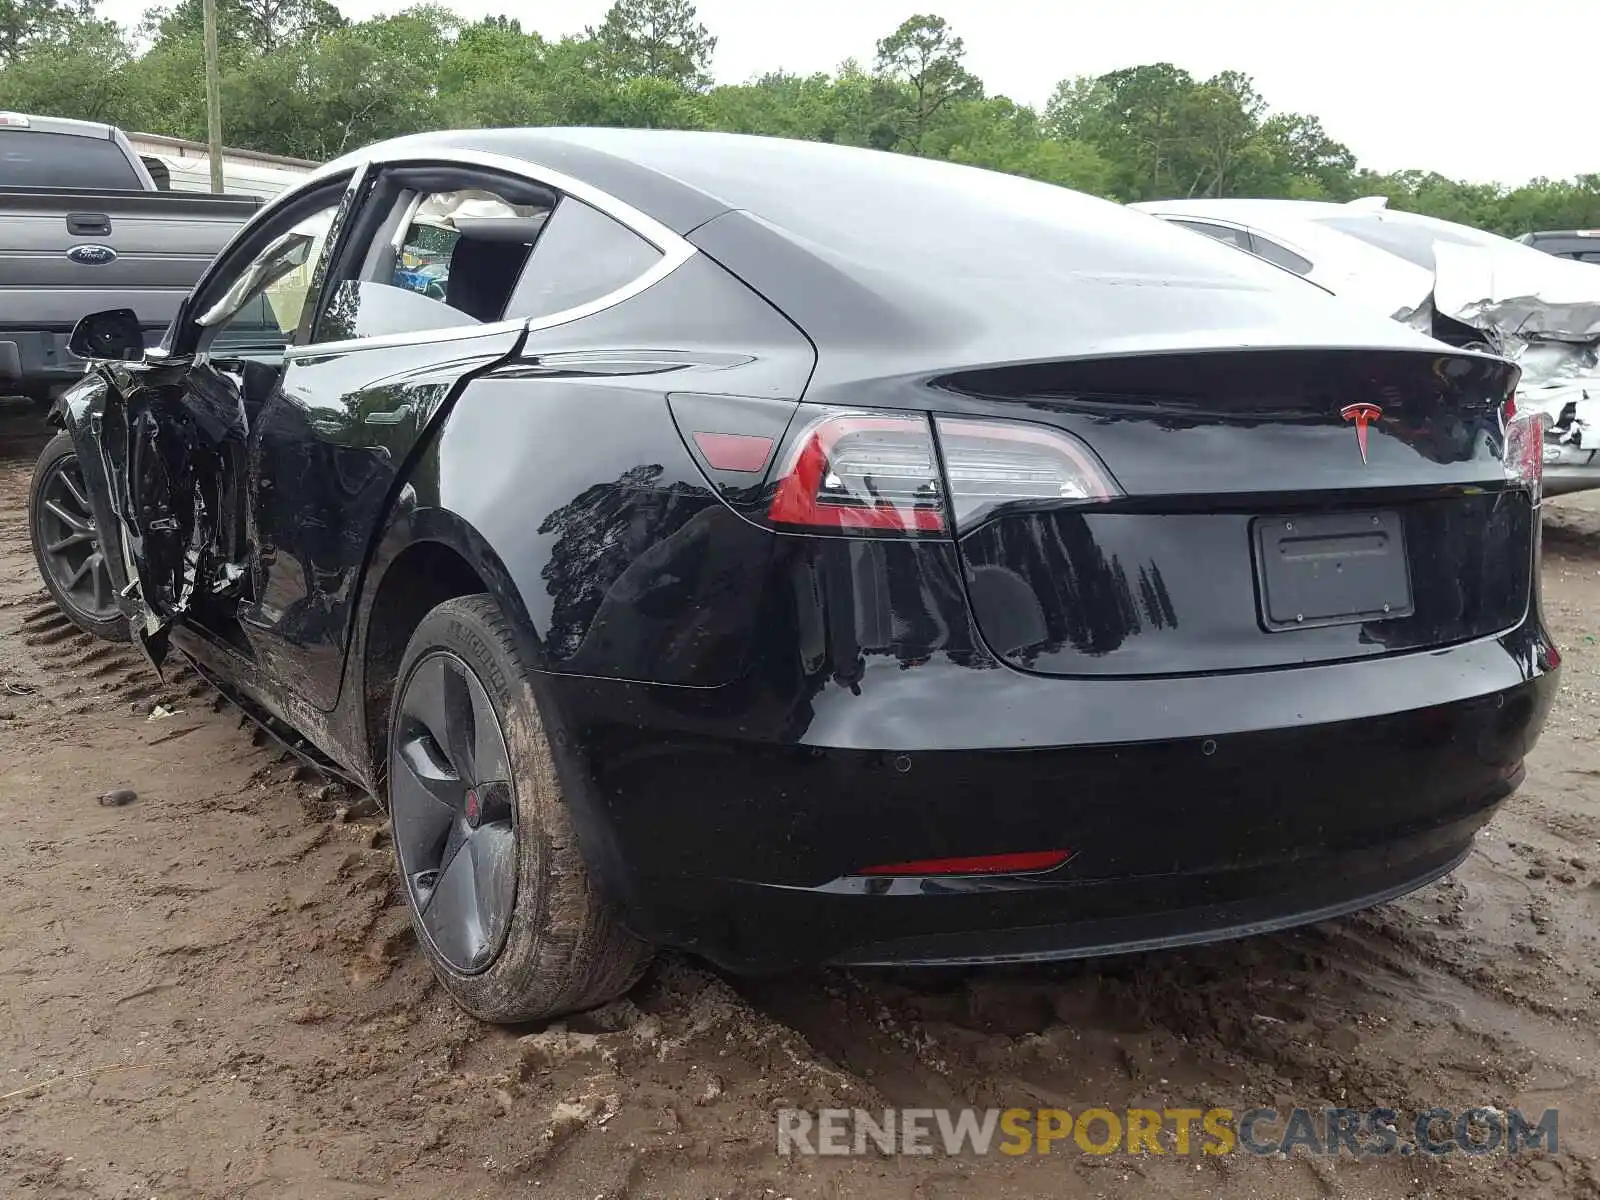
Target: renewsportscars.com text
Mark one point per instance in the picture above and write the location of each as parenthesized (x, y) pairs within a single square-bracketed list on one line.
[(1176, 1131)]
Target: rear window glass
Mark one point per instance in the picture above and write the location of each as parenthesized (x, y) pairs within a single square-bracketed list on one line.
[(1282, 255), (1223, 233), (1409, 240), (581, 256), (29, 158), (1584, 249)]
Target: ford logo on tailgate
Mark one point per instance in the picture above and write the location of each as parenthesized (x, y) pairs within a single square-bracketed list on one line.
[(92, 256)]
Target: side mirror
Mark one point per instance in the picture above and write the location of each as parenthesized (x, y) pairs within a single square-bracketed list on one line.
[(112, 334)]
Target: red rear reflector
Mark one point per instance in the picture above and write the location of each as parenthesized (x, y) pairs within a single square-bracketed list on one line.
[(983, 864), (1511, 406), (734, 451)]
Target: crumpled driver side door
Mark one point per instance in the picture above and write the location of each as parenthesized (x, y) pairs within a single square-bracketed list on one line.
[(171, 433)]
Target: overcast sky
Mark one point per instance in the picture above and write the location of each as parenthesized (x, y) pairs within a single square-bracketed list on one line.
[(1475, 89)]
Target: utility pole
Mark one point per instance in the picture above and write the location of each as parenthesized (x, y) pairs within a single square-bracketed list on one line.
[(213, 93)]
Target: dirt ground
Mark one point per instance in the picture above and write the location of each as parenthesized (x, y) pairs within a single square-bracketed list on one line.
[(213, 991)]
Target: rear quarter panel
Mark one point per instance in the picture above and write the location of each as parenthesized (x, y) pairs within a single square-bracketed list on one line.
[(570, 472)]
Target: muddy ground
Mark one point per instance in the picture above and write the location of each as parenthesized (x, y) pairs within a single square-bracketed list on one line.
[(213, 991)]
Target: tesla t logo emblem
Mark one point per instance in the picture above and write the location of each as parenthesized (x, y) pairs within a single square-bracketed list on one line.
[(1363, 415)]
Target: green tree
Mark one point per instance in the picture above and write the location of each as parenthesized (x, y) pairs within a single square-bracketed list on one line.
[(1003, 136), (924, 57), (255, 26), (321, 97), (1550, 204), (25, 24), (96, 87), (779, 104), (490, 75), (656, 39), (1221, 121), (1076, 108), (1308, 163), (1142, 120)]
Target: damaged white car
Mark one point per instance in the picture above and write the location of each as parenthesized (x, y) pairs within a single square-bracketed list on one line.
[(1460, 284)]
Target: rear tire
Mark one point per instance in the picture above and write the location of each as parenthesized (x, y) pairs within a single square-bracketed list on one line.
[(68, 548), (542, 942)]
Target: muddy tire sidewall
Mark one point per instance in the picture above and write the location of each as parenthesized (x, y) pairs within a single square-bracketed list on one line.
[(564, 949)]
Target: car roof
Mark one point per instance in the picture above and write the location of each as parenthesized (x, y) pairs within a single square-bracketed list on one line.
[(945, 264)]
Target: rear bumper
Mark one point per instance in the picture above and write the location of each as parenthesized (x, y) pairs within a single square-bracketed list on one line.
[(37, 358), (1155, 914), (1195, 808)]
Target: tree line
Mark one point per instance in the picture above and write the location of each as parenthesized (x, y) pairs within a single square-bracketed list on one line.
[(298, 78)]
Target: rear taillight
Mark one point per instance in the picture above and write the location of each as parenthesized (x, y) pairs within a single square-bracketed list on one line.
[(1524, 453), (880, 473), (861, 471), (991, 464)]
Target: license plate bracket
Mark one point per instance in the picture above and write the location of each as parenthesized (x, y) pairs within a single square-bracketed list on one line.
[(1331, 569)]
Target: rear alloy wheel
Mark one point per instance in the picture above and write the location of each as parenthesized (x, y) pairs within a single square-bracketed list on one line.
[(498, 893), (451, 803), (68, 546)]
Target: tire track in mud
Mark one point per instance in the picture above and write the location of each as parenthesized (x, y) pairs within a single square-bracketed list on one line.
[(82, 674)]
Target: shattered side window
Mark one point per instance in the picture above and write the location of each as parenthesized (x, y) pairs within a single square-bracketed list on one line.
[(261, 310), (287, 296)]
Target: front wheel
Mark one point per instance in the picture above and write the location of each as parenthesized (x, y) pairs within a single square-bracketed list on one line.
[(502, 903), (68, 546)]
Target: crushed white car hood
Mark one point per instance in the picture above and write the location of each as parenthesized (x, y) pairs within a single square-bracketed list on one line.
[(1540, 311), (1523, 295)]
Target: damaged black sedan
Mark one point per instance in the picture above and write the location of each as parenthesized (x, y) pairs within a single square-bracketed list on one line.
[(793, 553)]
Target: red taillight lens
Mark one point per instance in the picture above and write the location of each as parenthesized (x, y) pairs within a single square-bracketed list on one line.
[(990, 464), (879, 472), (861, 471), (1524, 453)]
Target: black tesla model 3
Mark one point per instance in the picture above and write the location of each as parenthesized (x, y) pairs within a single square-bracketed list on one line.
[(794, 553)]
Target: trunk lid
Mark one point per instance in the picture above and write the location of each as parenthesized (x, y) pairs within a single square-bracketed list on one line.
[(1280, 508)]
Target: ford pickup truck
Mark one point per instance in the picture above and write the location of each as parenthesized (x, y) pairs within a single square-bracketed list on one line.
[(83, 229)]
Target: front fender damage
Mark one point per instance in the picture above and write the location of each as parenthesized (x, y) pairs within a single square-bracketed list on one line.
[(171, 437)]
